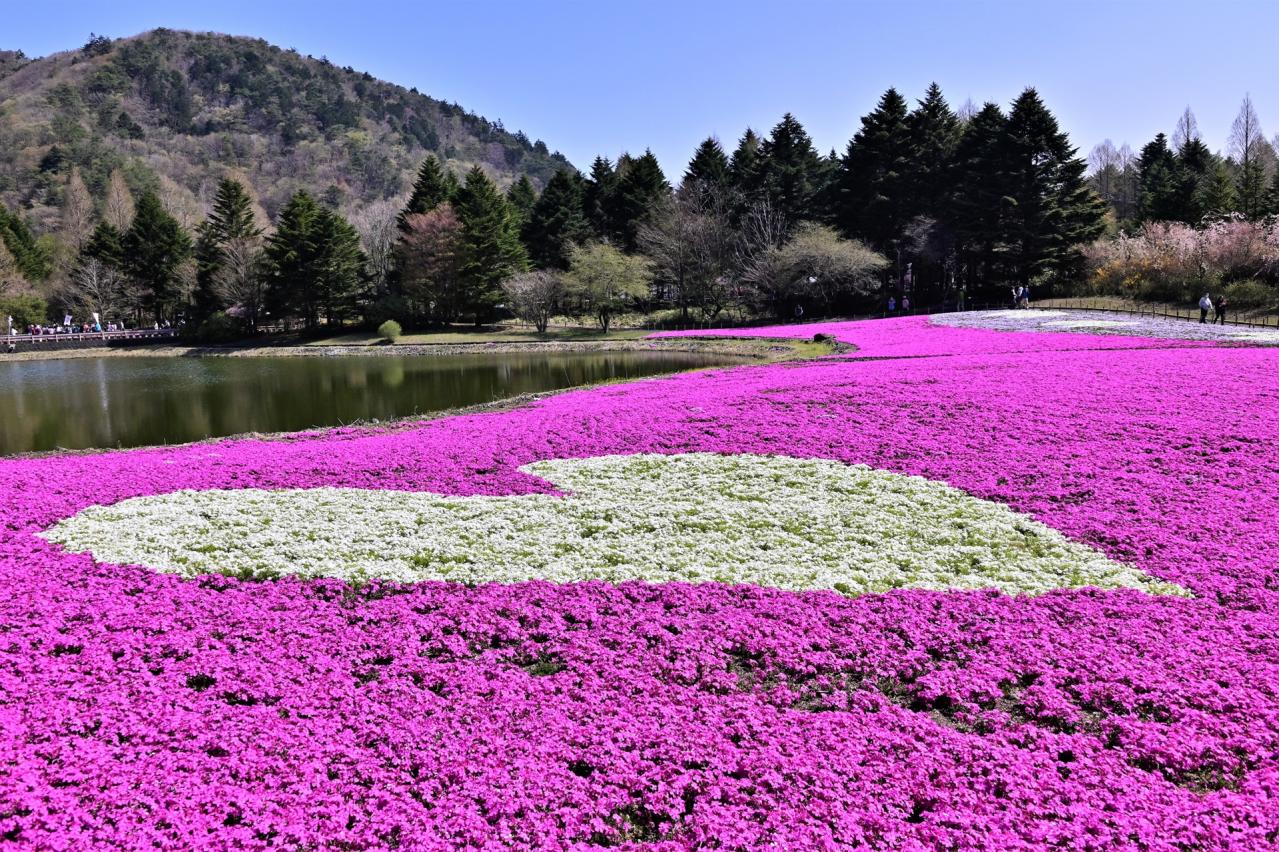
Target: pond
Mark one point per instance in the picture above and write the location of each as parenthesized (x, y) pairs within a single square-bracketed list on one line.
[(127, 401)]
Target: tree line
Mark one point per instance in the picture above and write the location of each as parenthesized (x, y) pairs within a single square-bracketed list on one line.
[(924, 202)]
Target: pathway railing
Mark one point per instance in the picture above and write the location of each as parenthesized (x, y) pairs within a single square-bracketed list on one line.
[(1156, 311), (82, 336)]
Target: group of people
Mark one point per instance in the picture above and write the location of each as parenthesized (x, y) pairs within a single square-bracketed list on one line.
[(1217, 308), (1021, 297), (892, 304)]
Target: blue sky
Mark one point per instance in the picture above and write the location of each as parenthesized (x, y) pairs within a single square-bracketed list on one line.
[(598, 77)]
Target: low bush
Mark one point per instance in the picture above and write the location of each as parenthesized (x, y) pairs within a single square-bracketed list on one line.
[(1250, 293), (390, 331)]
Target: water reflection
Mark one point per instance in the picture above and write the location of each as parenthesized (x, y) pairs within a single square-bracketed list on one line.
[(138, 401)]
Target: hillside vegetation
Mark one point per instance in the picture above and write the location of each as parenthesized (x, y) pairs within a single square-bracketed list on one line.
[(175, 111)]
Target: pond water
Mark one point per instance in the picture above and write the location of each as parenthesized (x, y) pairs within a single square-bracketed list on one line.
[(130, 401)]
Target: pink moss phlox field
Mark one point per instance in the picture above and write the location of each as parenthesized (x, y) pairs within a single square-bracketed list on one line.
[(139, 709)]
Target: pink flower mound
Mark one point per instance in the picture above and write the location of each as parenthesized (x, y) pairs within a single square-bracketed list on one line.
[(140, 709)]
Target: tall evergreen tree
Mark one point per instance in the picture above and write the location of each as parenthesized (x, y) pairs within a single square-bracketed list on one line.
[(155, 246), (293, 261), (1194, 161), (934, 134), (557, 222), (744, 166), (105, 245), (339, 281), (709, 165), (521, 196), (490, 249), (599, 198), (1053, 211), (1157, 169), (30, 257), (1272, 196), (641, 186), (231, 229), (433, 186), (1216, 196), (979, 207), (874, 183), (790, 170)]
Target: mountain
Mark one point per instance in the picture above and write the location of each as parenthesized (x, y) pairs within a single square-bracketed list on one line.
[(176, 111)]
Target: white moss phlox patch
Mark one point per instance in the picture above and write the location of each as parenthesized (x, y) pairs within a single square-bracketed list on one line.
[(770, 521)]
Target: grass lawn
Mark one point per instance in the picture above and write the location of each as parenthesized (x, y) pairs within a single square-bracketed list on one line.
[(488, 334)]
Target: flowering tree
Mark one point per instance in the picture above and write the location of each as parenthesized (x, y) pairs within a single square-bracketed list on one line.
[(534, 296)]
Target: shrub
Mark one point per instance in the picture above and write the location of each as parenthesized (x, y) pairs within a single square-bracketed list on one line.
[(390, 331), (1250, 294), (220, 327), (27, 310)]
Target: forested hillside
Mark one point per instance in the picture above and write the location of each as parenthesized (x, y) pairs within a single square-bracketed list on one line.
[(173, 112)]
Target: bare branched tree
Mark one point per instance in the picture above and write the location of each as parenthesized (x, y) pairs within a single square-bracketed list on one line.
[(534, 296)]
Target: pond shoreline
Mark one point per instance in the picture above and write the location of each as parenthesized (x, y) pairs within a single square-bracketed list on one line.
[(762, 349)]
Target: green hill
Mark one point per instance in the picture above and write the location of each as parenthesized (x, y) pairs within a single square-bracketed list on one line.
[(175, 111)]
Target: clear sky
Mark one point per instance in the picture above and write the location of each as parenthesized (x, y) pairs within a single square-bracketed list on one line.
[(601, 77)]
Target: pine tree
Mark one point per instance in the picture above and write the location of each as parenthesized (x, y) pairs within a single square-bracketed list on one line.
[(340, 273), (293, 262), (521, 196), (1272, 196), (790, 170), (490, 249), (1157, 181), (106, 245), (29, 254), (744, 167), (934, 134), (599, 198), (1194, 161), (874, 183), (979, 206), (228, 237), (1053, 211), (1216, 195), (709, 165), (433, 186), (641, 186), (155, 246), (1246, 144), (557, 222)]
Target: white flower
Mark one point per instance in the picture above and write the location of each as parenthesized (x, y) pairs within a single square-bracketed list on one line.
[(769, 521)]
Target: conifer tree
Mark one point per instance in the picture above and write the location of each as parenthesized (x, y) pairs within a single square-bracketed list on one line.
[(743, 167), (155, 246), (433, 186), (106, 245), (490, 248), (226, 245), (599, 198), (557, 222), (790, 170), (1216, 196), (979, 205), (293, 260), (874, 182), (1194, 161), (1053, 211), (1157, 181), (1272, 196), (934, 134), (709, 165), (521, 196), (641, 186)]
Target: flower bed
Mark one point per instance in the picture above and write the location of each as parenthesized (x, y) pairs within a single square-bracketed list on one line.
[(1095, 322), (139, 707)]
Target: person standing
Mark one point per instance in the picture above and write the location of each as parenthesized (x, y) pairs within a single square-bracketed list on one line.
[(1221, 305), (905, 304), (892, 304), (1205, 305)]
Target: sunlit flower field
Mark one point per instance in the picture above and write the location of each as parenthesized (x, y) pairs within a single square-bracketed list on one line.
[(958, 588)]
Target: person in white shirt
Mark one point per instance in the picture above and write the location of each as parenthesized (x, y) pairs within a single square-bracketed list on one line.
[(1205, 305)]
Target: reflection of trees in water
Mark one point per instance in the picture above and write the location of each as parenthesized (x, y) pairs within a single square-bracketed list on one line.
[(106, 402)]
